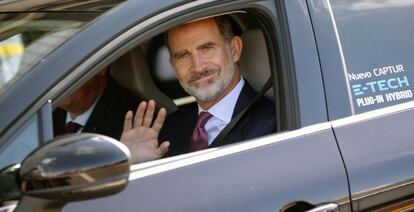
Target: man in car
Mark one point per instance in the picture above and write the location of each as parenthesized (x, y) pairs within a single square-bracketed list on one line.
[(98, 106), (205, 55)]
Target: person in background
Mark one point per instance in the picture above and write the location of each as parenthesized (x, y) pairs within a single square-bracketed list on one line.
[(98, 106)]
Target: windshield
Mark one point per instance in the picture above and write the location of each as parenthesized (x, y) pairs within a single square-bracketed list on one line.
[(26, 38)]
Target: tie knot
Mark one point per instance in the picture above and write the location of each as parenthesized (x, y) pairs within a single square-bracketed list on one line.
[(203, 118), (72, 127)]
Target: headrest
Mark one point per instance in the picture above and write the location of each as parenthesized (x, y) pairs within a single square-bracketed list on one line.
[(254, 61), (162, 67), (132, 72)]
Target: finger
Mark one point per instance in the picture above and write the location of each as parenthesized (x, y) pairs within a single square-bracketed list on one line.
[(149, 114), (139, 115), (128, 121), (159, 121), (163, 148)]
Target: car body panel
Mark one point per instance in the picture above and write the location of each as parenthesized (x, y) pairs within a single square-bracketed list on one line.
[(376, 145), (376, 40), (331, 60), (378, 150), (384, 156), (280, 169), (308, 72)]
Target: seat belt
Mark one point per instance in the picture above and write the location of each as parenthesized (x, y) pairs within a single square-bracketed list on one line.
[(236, 119)]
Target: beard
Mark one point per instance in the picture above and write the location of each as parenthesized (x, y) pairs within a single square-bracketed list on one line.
[(212, 88)]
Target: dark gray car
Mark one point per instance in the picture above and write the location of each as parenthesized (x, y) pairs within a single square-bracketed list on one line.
[(341, 71)]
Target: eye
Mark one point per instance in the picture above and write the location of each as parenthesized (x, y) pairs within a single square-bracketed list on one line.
[(207, 48), (182, 55)]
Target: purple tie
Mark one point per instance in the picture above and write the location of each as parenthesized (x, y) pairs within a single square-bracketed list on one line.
[(199, 139)]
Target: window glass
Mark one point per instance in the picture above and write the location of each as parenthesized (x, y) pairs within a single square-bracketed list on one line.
[(20, 144), (377, 43), (26, 38), (12, 153)]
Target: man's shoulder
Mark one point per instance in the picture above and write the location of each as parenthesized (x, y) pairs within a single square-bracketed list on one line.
[(180, 121), (265, 103), (117, 97), (261, 117), (183, 113), (247, 95), (178, 127), (108, 115)]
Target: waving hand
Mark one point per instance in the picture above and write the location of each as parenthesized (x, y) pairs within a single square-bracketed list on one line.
[(141, 134)]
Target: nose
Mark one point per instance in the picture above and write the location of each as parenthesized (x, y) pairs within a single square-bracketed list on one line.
[(198, 63)]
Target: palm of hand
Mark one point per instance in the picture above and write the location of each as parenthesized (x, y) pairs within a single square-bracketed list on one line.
[(140, 134), (142, 137), (143, 144)]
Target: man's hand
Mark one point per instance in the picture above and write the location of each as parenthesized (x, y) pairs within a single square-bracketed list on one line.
[(141, 136)]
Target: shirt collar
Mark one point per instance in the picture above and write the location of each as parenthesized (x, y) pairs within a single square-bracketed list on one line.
[(82, 118), (223, 109)]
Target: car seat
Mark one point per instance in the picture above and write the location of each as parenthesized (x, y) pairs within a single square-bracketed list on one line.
[(254, 61), (131, 71)]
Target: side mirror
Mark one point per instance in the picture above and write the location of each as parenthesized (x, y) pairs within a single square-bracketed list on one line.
[(76, 167)]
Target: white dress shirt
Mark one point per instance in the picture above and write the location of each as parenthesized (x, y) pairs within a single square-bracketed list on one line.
[(222, 112), (82, 118)]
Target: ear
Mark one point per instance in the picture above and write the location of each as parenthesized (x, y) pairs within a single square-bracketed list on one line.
[(236, 48)]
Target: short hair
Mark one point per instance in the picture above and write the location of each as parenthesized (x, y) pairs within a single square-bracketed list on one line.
[(224, 26)]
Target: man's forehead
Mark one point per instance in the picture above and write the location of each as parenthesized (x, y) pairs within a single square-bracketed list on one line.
[(205, 25)]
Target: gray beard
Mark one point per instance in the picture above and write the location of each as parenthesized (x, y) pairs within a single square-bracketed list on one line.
[(213, 89)]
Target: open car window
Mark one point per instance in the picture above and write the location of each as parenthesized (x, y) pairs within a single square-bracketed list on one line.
[(146, 73)]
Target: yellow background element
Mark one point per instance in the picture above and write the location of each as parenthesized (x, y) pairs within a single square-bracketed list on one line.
[(11, 49)]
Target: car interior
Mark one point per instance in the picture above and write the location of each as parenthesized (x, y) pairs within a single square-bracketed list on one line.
[(145, 70)]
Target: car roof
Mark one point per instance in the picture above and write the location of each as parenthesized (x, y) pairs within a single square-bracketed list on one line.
[(53, 5)]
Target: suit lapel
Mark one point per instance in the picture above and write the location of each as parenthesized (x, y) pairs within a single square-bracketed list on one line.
[(191, 119), (247, 94)]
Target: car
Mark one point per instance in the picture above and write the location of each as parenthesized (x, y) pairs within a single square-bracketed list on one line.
[(342, 75)]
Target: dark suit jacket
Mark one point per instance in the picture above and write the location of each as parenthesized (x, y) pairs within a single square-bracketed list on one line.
[(259, 120), (107, 118)]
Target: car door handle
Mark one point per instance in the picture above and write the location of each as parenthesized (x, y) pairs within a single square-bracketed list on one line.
[(328, 207), (307, 207)]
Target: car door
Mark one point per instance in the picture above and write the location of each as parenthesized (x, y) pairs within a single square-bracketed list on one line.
[(298, 168), (373, 59)]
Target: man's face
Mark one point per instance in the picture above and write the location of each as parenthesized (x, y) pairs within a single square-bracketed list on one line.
[(75, 100), (80, 100), (203, 60)]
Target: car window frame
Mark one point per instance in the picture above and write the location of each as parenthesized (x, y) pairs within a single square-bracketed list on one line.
[(142, 31), (145, 30)]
